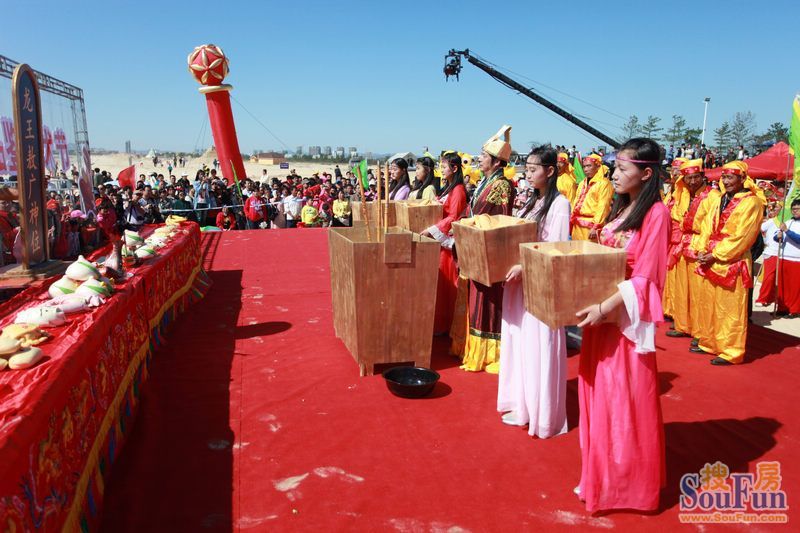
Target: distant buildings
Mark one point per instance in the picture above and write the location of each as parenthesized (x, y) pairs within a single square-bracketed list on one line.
[(268, 158), (320, 152)]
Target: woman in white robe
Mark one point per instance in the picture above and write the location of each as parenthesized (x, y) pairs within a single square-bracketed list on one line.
[(532, 385)]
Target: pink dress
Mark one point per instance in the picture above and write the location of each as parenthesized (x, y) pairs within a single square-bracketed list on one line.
[(621, 430), (533, 358)]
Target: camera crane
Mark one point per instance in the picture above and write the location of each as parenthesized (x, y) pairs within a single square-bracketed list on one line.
[(452, 67)]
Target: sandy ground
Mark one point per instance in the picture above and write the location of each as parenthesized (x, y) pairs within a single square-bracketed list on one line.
[(763, 317), (114, 163)]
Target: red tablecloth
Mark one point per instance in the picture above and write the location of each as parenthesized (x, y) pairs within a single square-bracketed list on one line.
[(62, 423)]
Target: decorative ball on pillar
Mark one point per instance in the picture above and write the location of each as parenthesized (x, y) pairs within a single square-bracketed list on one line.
[(208, 64)]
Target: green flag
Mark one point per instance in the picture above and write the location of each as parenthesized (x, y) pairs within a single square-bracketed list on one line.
[(794, 149), (579, 175), (361, 170), (236, 179)]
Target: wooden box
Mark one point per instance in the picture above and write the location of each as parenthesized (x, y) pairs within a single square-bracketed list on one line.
[(486, 255), (581, 273), (416, 217), (384, 295), (372, 208)]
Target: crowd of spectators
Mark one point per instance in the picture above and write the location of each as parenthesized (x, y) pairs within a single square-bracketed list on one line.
[(320, 200)]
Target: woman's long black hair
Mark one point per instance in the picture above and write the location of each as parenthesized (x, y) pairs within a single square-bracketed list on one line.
[(454, 160), (548, 157), (646, 150), (430, 179), (397, 184)]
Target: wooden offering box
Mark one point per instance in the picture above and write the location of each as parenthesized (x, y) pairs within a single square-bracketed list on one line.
[(577, 274), (416, 217), (372, 208), (486, 255), (384, 295)]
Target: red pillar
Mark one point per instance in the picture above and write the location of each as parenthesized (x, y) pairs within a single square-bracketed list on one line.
[(223, 129)]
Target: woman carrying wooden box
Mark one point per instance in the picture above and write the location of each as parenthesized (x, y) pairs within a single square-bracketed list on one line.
[(532, 386), (494, 196), (621, 429), (454, 204)]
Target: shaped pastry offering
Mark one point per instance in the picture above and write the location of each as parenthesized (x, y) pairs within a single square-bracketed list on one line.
[(62, 286), (94, 287), (44, 316), (132, 239), (9, 346), (146, 252), (156, 241), (26, 334), (25, 359), (71, 303), (82, 269)]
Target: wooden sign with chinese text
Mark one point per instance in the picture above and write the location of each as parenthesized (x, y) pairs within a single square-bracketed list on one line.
[(30, 166)]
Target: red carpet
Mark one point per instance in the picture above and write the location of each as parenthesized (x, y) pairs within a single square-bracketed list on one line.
[(255, 418)]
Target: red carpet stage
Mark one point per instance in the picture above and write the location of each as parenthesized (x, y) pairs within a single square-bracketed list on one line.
[(255, 418)]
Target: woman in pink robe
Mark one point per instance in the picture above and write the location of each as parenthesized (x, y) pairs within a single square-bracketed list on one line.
[(621, 430), (532, 385)]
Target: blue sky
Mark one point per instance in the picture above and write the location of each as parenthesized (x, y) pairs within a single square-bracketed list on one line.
[(369, 74)]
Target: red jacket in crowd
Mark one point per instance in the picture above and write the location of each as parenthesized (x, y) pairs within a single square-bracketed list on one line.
[(221, 219), (255, 208)]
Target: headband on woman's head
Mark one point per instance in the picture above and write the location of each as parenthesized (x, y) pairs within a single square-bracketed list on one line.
[(639, 161)]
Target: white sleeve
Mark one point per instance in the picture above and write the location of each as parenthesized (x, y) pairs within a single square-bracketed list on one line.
[(641, 333)]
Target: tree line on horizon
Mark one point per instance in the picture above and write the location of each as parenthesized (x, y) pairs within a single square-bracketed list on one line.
[(739, 130)]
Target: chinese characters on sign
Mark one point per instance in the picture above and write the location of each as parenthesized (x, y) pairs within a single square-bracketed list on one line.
[(54, 141), (27, 128), (717, 495)]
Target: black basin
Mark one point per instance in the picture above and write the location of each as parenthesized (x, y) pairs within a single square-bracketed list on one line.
[(410, 381)]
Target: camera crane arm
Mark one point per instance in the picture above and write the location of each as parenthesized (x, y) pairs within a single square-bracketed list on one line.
[(452, 67)]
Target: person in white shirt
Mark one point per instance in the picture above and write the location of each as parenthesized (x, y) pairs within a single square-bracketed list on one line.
[(292, 205), (788, 239), (769, 229)]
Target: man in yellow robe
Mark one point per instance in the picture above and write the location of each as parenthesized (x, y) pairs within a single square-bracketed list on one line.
[(675, 195), (593, 202), (690, 209), (729, 231), (566, 183)]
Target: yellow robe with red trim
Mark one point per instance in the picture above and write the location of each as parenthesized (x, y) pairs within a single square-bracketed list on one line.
[(677, 201), (567, 185), (701, 292), (729, 242), (592, 206)]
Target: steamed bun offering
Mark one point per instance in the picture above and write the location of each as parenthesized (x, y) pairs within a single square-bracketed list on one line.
[(133, 239), (485, 221), (61, 287), (81, 270), (94, 287), (145, 252), (25, 359)]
